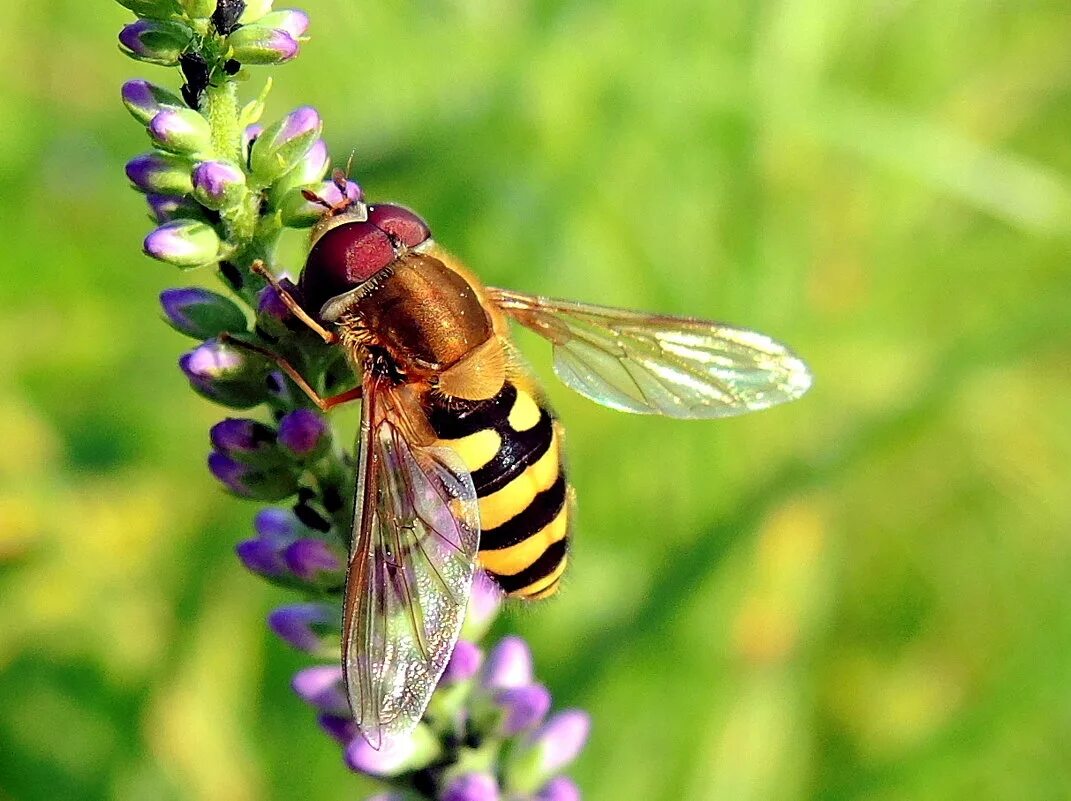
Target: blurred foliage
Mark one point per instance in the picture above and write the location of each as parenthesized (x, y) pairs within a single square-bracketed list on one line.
[(863, 595)]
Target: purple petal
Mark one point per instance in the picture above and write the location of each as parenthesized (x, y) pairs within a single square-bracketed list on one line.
[(561, 739), (341, 727), (310, 558), (524, 707), (321, 686), (472, 787), (211, 360), (299, 122), (508, 665), (387, 761), (560, 788), (464, 663), (277, 526), (230, 472), (294, 624), (216, 178), (240, 435), (261, 558), (302, 431)]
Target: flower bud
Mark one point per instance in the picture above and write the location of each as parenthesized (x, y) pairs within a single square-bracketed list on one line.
[(247, 441), (549, 749), (293, 21), (310, 170), (184, 243), (321, 686), (309, 627), (182, 131), (464, 663), (248, 481), (297, 211), (472, 787), (484, 602), (164, 208), (144, 100), (155, 41), (226, 374), (158, 9), (395, 755), (522, 708), (304, 433), (508, 665), (256, 44), (254, 10), (270, 307), (217, 184), (276, 529), (342, 728), (316, 562), (283, 145), (560, 788), (160, 173), (198, 9), (200, 313)]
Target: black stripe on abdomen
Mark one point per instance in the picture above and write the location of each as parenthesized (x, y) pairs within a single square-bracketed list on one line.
[(540, 512), (540, 568), (519, 451), (454, 418)]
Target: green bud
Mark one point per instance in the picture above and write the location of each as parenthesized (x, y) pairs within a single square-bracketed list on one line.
[(182, 131), (256, 44), (200, 313), (144, 100), (282, 146), (184, 243), (159, 9), (155, 41)]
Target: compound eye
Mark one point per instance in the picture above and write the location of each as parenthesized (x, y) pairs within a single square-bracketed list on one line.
[(343, 258), (400, 223)]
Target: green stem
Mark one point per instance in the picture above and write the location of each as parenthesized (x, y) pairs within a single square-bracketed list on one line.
[(220, 105)]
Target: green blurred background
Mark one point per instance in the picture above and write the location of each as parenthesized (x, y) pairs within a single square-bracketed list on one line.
[(863, 595)]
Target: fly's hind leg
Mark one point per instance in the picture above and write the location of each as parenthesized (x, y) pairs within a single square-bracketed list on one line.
[(324, 404)]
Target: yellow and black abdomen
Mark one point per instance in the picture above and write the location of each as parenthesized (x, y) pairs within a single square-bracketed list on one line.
[(511, 444)]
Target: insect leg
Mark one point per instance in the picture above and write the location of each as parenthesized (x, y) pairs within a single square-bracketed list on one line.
[(323, 403), (260, 269)]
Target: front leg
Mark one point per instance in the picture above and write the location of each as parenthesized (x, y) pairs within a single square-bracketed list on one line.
[(330, 337)]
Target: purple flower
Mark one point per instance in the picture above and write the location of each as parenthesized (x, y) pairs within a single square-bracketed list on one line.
[(321, 686), (342, 728), (560, 788), (247, 481), (472, 787), (303, 433), (509, 665), (395, 755), (276, 529), (258, 44), (144, 100), (561, 739), (165, 208), (199, 313), (291, 20), (181, 130), (225, 374), (184, 243), (484, 603), (241, 438), (155, 41), (271, 306), (522, 707), (314, 561), (301, 625), (160, 173), (464, 663), (282, 146), (217, 183)]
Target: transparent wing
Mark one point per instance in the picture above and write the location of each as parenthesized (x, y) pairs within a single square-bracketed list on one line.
[(657, 364), (416, 533)]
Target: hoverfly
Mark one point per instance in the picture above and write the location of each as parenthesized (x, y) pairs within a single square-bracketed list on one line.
[(459, 459)]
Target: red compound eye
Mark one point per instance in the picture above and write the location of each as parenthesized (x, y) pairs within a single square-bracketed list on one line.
[(342, 259), (400, 223)]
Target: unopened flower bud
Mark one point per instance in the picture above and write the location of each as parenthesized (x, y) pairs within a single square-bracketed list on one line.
[(309, 627), (472, 787), (304, 433), (271, 309), (321, 686), (144, 100), (160, 173), (292, 20), (226, 374), (256, 44), (155, 41), (200, 313), (198, 9), (560, 788), (395, 755), (247, 441), (296, 210), (508, 665), (522, 708), (316, 562), (254, 10), (164, 208), (217, 184), (248, 481), (310, 170), (341, 728), (276, 529), (549, 749), (464, 663), (283, 145), (182, 131), (184, 243)]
